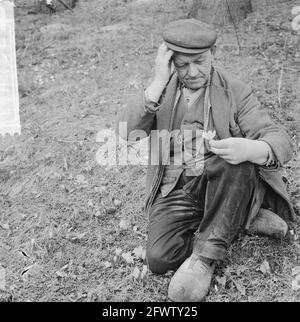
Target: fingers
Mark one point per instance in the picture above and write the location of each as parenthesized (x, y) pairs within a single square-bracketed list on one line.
[(220, 151), (169, 54), (220, 144), (163, 50), (163, 64)]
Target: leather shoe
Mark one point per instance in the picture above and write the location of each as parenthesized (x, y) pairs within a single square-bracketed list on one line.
[(268, 223), (192, 280)]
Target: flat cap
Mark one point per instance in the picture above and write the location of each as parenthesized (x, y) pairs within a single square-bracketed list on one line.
[(189, 36)]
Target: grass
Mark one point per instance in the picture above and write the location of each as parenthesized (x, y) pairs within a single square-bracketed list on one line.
[(61, 210)]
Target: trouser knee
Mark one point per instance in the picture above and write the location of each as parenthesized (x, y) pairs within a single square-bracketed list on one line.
[(156, 261), (162, 260)]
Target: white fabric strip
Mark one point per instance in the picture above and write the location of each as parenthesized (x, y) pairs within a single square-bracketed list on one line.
[(9, 96)]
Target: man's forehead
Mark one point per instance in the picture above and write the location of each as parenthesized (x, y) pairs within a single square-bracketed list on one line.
[(190, 57)]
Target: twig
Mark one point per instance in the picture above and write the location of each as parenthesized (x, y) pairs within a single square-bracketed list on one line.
[(279, 86), (235, 27), (234, 45), (281, 75), (66, 5), (27, 45)]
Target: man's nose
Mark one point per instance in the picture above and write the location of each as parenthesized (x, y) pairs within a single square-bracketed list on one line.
[(193, 71)]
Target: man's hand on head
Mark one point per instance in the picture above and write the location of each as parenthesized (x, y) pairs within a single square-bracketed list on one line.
[(163, 70), (238, 150), (163, 64)]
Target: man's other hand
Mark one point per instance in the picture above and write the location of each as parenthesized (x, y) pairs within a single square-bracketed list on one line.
[(238, 150)]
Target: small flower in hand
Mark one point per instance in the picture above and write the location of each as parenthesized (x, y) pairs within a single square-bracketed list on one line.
[(209, 135)]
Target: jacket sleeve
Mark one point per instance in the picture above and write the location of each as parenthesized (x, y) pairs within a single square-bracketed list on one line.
[(256, 124), (134, 120)]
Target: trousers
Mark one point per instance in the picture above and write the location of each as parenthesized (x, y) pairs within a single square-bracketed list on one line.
[(201, 215)]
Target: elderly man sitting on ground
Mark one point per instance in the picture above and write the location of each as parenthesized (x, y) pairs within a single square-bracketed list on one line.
[(217, 167)]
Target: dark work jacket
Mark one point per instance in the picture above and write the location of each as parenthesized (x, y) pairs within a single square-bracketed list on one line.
[(236, 113)]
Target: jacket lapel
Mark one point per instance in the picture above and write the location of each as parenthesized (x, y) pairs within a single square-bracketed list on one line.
[(164, 115), (220, 104)]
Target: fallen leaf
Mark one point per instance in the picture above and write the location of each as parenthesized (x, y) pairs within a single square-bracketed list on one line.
[(291, 236), (117, 202), (88, 168), (138, 251), (76, 236), (128, 258), (227, 272), (66, 266), (98, 213), (240, 287), (51, 233), (296, 283), (123, 183), (124, 224), (241, 269), (80, 178), (136, 273), (221, 280), (90, 203), (101, 189), (2, 278), (296, 271), (144, 272), (61, 274), (264, 268), (107, 264), (118, 251), (4, 226), (59, 255)]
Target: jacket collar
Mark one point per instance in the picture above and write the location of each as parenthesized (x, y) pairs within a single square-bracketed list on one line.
[(220, 98), (221, 101)]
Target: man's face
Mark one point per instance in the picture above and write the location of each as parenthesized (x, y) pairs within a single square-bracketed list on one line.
[(193, 69)]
